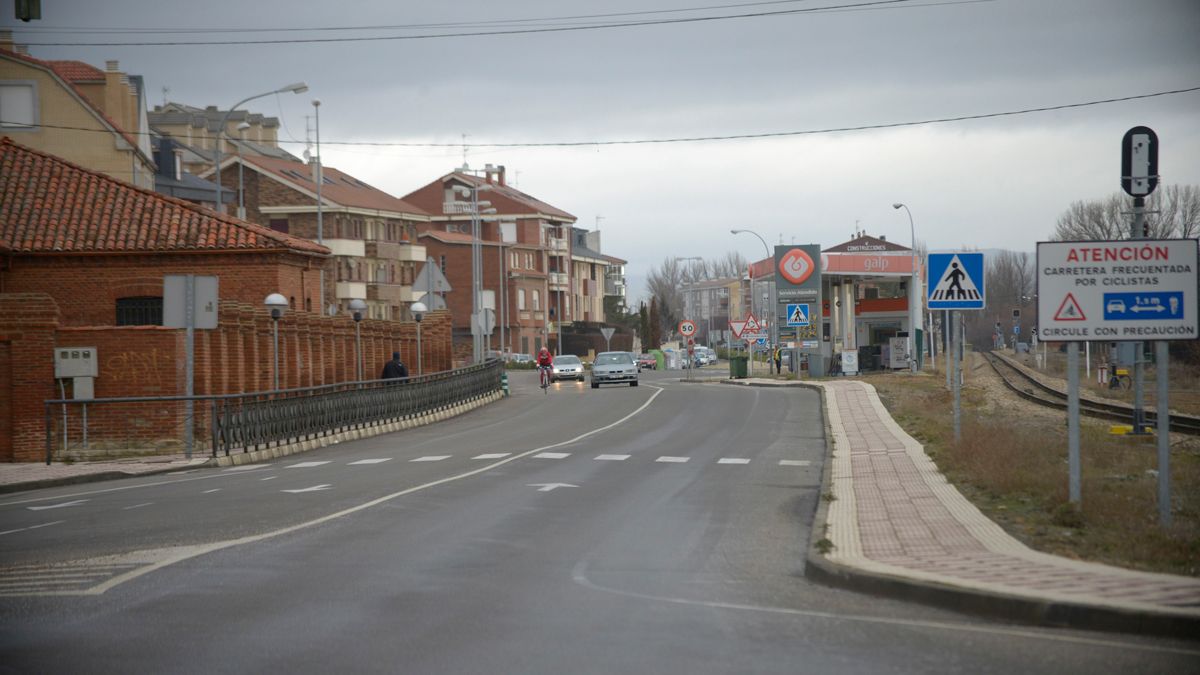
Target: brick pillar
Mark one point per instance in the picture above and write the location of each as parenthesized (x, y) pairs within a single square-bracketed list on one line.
[(27, 325)]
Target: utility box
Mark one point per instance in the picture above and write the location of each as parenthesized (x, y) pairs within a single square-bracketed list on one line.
[(75, 362)]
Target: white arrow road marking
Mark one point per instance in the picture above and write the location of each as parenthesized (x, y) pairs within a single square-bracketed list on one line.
[(371, 461), (550, 487), (732, 460), (794, 462), (430, 458), (612, 458), (315, 488), (31, 527), (306, 465), (55, 506), (552, 455), (673, 460), (493, 455)]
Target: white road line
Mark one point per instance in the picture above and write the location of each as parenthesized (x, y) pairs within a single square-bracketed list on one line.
[(673, 460), (552, 455), (170, 555), (179, 473), (56, 506), (733, 460), (794, 462), (306, 465), (431, 458), (492, 455), (315, 488), (371, 461), (268, 478), (245, 467), (208, 492), (611, 458), (136, 506), (31, 527)]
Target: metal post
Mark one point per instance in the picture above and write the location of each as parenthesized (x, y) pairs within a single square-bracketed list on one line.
[(1074, 481), (320, 179), (502, 289), (957, 386), (241, 182), (275, 349), (358, 360), (189, 406), (1139, 367), (948, 338), (1161, 356), (418, 348), (476, 300)]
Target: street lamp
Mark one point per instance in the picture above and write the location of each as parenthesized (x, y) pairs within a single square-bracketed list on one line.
[(277, 304), (774, 303), (914, 295), (296, 88), (319, 179), (696, 258), (418, 310), (476, 267), (357, 307), (241, 171)]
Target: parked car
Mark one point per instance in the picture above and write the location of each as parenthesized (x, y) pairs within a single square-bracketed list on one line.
[(520, 358), (647, 361), (614, 368), (567, 367)]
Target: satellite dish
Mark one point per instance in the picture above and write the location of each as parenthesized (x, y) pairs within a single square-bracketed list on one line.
[(307, 156)]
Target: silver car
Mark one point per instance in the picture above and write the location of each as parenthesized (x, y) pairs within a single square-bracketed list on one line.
[(614, 368), (567, 367)]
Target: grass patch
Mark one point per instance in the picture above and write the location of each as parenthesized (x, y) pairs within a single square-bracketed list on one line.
[(1014, 468)]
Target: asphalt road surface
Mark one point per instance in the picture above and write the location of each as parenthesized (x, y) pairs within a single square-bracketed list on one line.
[(623, 530)]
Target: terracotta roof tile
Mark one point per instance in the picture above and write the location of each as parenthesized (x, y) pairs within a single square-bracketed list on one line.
[(48, 204), (76, 71), (339, 188)]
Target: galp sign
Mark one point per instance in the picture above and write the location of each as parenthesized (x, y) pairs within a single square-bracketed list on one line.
[(796, 266)]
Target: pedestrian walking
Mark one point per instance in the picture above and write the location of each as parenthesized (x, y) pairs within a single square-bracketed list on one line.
[(778, 356), (394, 369)]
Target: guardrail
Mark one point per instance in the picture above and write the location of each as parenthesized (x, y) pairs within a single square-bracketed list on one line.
[(155, 425)]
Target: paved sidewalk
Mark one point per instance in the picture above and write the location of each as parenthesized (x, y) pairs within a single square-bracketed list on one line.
[(898, 526), (33, 475)]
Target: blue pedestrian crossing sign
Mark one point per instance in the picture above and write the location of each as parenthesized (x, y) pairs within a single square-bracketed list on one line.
[(797, 315), (956, 281)]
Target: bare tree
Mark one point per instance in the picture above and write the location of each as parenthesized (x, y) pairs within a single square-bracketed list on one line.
[(663, 284), (1172, 211)]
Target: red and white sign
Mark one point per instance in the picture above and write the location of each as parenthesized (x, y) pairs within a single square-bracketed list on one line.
[(796, 266), (738, 327), (687, 328)]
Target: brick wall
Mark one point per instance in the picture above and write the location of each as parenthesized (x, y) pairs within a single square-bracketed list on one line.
[(27, 324)]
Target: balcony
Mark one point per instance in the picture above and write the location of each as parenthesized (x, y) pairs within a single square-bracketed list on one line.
[(347, 247), (558, 246), (390, 250), (349, 290), (391, 294), (558, 280), (456, 207)]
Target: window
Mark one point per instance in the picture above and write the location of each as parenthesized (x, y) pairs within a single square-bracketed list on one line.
[(521, 299), (442, 263), (537, 300), (279, 225), (18, 105), (140, 311)]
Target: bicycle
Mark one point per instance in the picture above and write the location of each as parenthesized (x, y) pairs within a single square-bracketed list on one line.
[(544, 376), (1120, 379)]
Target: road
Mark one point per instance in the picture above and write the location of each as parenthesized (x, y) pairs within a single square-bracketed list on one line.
[(652, 529)]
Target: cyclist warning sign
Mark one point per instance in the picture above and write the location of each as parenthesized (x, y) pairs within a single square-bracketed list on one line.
[(1069, 310)]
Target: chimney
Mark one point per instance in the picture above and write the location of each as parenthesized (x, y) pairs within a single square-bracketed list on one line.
[(21, 49), (488, 172), (500, 171), (114, 101), (6, 40)]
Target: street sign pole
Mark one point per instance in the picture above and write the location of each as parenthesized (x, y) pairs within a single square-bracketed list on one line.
[(1164, 435), (957, 386), (1074, 481)]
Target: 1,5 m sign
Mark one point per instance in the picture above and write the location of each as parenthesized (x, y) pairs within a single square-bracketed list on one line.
[(1107, 291)]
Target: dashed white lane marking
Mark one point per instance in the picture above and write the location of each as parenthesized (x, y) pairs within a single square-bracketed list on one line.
[(612, 458), (245, 467), (430, 458), (56, 506), (179, 473), (31, 527), (136, 506), (208, 492), (371, 461), (673, 460), (268, 478), (733, 460), (306, 465), (492, 455), (552, 455), (794, 462)]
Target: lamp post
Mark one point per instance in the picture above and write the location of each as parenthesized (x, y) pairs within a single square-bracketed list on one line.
[(418, 310), (277, 304), (914, 296), (296, 88), (476, 267), (241, 212), (774, 303), (357, 307), (696, 258), (319, 179)]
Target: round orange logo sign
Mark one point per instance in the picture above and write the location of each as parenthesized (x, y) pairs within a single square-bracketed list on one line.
[(796, 266)]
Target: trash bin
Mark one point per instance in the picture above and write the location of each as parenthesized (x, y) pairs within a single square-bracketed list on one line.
[(738, 365)]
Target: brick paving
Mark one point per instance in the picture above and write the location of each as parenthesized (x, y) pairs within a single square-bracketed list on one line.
[(895, 514)]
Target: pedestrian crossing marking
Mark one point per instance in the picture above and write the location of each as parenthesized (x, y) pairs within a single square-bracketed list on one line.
[(371, 461), (612, 458), (794, 462), (733, 460), (492, 455), (956, 284), (306, 465), (431, 458), (673, 460), (552, 455), (1069, 310)]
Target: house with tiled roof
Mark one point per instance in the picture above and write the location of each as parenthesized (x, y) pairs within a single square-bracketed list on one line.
[(196, 129), (526, 262), (71, 109), (371, 234)]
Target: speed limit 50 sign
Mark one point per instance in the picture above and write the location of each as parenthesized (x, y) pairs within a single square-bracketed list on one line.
[(687, 328)]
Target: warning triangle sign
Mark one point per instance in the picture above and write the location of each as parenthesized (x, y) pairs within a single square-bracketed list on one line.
[(752, 324), (1069, 310), (955, 284), (798, 316)]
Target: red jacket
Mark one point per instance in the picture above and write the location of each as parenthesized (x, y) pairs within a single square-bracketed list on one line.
[(545, 359)]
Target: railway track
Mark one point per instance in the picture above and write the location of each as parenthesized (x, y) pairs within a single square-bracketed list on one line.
[(1030, 389)]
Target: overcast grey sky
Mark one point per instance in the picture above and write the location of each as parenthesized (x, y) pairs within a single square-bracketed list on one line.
[(989, 183)]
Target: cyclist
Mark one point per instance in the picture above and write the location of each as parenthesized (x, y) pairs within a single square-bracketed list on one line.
[(544, 362)]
